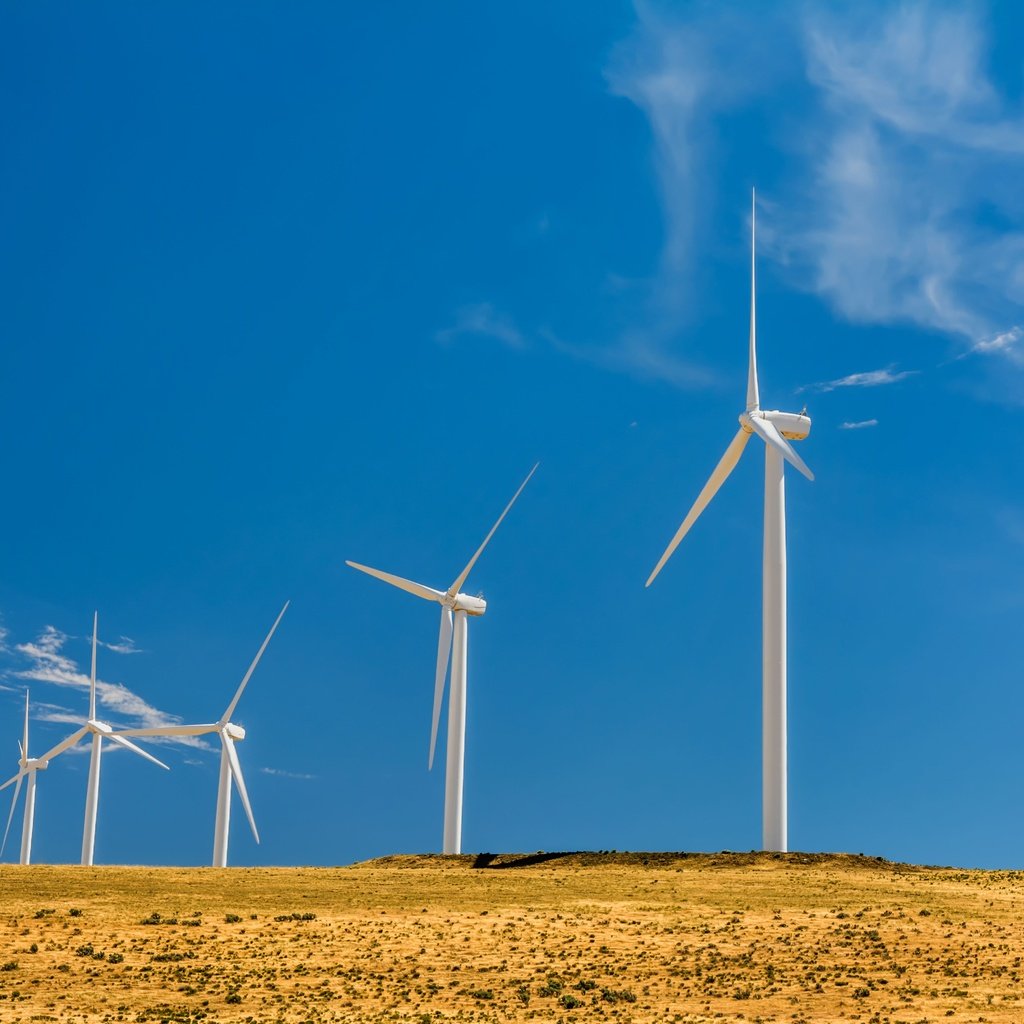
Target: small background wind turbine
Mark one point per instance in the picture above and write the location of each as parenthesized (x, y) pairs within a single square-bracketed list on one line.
[(230, 767), (453, 636), (99, 731), (773, 427), (27, 768)]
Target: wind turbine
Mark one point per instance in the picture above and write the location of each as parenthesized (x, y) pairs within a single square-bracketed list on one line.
[(27, 768), (99, 731), (230, 768), (454, 605), (773, 427)]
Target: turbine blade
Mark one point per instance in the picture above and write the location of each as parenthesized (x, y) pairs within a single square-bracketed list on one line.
[(725, 466), (427, 593), (92, 677), (24, 745), (753, 399), (64, 744), (444, 650), (461, 578), (226, 717), (768, 432), (171, 730), (10, 817), (121, 741), (13, 779), (236, 771)]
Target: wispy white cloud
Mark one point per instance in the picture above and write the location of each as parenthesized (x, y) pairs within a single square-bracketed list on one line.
[(900, 202), (283, 774), (125, 645), (482, 320), (1007, 343), (866, 379), (858, 424), (911, 216), (45, 660)]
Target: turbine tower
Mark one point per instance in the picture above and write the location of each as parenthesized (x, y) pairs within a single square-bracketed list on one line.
[(453, 637), (773, 427), (99, 732), (230, 768), (27, 768)]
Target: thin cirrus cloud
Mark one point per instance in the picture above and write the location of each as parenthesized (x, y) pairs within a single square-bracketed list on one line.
[(281, 773), (858, 424), (867, 379), (44, 660), (482, 320), (900, 203)]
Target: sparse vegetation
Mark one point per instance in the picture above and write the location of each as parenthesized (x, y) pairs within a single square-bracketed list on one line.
[(617, 938)]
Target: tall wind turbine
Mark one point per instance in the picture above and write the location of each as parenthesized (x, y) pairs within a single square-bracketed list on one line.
[(773, 427), (99, 732), (454, 605), (27, 768), (230, 768)]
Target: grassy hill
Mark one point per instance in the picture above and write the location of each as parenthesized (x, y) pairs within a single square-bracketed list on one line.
[(617, 937)]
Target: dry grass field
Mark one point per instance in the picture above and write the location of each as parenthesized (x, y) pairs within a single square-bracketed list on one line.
[(616, 937)]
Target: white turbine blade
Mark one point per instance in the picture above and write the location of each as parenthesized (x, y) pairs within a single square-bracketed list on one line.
[(753, 399), (92, 677), (64, 744), (725, 466), (461, 578), (114, 738), (13, 779), (10, 817), (444, 650), (24, 745), (770, 435), (427, 593), (236, 771), (171, 730), (226, 717)]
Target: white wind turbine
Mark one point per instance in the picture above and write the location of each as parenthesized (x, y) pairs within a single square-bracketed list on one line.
[(27, 768), (99, 731), (454, 604), (773, 428), (230, 768)]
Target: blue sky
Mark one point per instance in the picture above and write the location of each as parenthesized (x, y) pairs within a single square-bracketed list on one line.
[(283, 286)]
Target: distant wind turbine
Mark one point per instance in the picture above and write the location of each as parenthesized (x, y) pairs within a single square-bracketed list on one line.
[(27, 768), (99, 731), (773, 428), (230, 768), (454, 604)]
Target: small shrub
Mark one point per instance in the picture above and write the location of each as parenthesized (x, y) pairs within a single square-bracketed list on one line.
[(11, 965), (482, 993), (115, 958), (233, 997), (231, 919), (75, 912), (45, 912), (85, 950), (570, 1002)]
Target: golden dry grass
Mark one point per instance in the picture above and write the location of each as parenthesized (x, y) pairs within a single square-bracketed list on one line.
[(657, 937)]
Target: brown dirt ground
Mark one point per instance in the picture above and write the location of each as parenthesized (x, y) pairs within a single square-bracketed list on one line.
[(620, 937)]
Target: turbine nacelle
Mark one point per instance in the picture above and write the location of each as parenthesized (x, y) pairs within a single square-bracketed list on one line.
[(465, 603), (794, 426), (236, 732)]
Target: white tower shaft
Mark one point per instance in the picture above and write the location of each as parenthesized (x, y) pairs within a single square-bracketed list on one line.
[(91, 800), (27, 821), (222, 827), (456, 747), (774, 825)]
